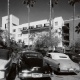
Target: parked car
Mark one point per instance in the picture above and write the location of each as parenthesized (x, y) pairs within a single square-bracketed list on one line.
[(32, 65), (61, 62)]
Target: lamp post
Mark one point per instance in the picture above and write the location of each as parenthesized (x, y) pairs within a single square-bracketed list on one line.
[(29, 3)]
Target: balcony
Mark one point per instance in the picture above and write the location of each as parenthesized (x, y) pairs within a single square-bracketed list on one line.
[(39, 28)]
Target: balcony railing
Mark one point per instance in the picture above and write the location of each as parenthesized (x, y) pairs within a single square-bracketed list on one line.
[(37, 29)]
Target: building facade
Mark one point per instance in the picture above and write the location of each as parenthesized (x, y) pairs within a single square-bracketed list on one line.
[(20, 32), (69, 34)]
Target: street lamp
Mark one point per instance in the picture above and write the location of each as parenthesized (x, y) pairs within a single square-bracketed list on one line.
[(29, 3)]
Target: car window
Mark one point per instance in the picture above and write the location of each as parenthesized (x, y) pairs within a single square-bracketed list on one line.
[(62, 56), (32, 55)]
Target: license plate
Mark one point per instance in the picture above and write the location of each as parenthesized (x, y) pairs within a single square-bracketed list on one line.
[(35, 75)]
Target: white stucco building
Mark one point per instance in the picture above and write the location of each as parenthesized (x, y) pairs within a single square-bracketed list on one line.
[(36, 26)]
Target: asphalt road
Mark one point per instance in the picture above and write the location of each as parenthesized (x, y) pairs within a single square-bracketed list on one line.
[(62, 77)]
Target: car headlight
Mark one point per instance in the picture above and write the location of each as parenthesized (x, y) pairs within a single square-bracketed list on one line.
[(24, 74)]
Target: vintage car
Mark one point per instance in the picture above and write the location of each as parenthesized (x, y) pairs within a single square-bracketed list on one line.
[(61, 62), (32, 65)]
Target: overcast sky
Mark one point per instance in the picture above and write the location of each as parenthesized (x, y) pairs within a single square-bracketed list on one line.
[(40, 10)]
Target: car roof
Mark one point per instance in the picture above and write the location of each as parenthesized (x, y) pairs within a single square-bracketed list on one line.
[(56, 53)]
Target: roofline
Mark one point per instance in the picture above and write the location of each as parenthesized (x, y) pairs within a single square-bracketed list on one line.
[(71, 19)]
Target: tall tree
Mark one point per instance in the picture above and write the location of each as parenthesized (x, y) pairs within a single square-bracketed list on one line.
[(29, 3), (72, 2)]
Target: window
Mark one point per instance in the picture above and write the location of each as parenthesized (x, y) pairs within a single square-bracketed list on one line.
[(31, 27), (14, 30), (56, 23), (46, 25), (38, 26), (14, 24), (24, 28), (5, 26)]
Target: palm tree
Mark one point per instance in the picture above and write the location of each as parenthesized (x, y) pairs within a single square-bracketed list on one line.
[(52, 2), (29, 3), (77, 28)]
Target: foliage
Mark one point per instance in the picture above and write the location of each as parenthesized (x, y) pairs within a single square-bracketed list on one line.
[(72, 2), (77, 28), (43, 41), (75, 47)]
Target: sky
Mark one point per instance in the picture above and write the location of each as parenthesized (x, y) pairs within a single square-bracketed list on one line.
[(39, 11)]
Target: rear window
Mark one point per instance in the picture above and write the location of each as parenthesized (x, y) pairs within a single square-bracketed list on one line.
[(62, 56), (32, 54)]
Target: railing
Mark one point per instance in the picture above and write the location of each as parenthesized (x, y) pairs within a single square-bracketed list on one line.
[(37, 29)]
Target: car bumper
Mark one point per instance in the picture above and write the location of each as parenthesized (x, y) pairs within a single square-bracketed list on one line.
[(34, 75), (70, 70)]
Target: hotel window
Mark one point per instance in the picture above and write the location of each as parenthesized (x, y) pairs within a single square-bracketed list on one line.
[(14, 24), (56, 23), (38, 26), (24, 28), (46, 25), (31, 27), (14, 30), (5, 26)]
